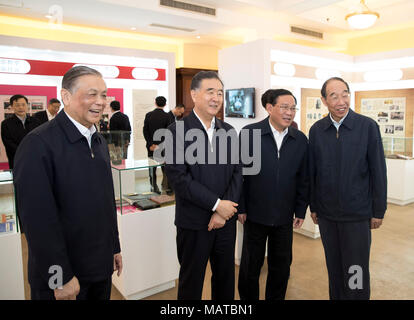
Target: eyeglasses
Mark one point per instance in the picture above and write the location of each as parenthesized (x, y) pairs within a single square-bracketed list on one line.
[(18, 105), (285, 108), (335, 98)]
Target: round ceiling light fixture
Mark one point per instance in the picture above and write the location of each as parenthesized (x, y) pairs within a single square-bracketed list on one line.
[(362, 17)]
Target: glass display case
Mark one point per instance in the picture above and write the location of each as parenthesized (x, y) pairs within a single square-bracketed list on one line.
[(11, 261), (146, 229), (8, 220), (118, 144), (398, 148), (134, 191)]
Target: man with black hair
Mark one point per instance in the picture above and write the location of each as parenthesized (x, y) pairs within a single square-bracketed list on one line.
[(16, 127), (120, 128), (348, 190), (176, 113), (274, 201), (119, 121), (48, 114), (154, 120)]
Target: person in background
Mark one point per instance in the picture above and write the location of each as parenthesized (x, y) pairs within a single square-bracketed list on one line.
[(206, 197), (65, 196), (176, 113), (348, 190), (48, 114), (16, 127), (275, 200), (119, 121), (154, 120)]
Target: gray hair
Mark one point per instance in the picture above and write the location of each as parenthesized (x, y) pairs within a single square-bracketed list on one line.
[(200, 76), (70, 78)]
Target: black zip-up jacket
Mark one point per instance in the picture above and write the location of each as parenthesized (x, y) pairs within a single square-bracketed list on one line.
[(280, 190), (348, 170), (65, 200), (198, 185)]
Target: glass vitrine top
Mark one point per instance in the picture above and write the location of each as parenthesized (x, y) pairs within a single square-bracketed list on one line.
[(133, 164)]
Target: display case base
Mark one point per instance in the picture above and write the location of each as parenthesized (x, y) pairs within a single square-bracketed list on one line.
[(151, 291)]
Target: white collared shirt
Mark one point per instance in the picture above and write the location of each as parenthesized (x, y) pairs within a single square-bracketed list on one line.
[(87, 133), (338, 124), (23, 120), (279, 136), (210, 133)]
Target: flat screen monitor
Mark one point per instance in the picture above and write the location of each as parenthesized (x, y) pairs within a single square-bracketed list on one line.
[(240, 103)]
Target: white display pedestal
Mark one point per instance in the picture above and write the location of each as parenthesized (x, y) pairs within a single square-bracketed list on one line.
[(400, 176), (308, 229), (149, 253), (11, 267)]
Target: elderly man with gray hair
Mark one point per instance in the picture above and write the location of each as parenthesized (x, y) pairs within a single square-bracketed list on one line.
[(65, 197)]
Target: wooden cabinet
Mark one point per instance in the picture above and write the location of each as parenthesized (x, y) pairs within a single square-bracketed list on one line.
[(183, 84)]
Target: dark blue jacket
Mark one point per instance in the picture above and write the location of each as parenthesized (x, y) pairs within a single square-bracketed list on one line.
[(13, 132), (198, 186), (348, 171), (281, 189), (65, 200)]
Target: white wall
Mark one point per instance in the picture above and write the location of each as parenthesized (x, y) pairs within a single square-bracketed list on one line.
[(89, 54), (249, 65), (243, 66)]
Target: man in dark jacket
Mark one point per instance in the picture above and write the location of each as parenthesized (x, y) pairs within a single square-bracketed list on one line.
[(154, 120), (275, 199), (15, 128), (119, 121), (65, 197), (206, 193), (120, 128), (48, 114), (348, 190)]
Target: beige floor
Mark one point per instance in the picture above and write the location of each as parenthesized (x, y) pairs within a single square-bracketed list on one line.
[(392, 264)]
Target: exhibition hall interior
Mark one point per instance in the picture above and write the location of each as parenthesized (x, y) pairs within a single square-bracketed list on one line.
[(145, 49)]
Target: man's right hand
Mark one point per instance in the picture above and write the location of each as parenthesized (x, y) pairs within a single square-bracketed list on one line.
[(226, 209), (314, 217), (216, 222), (69, 291)]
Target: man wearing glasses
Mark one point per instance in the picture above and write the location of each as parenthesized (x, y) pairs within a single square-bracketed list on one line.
[(274, 201), (348, 190)]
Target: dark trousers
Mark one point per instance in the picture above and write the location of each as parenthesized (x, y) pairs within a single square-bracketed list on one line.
[(153, 179), (88, 291), (347, 248), (279, 259), (194, 249)]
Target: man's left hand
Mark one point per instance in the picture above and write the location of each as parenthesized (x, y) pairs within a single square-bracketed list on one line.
[(118, 263), (375, 223), (297, 223)]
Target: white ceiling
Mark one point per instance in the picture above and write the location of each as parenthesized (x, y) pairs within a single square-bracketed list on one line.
[(235, 20)]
